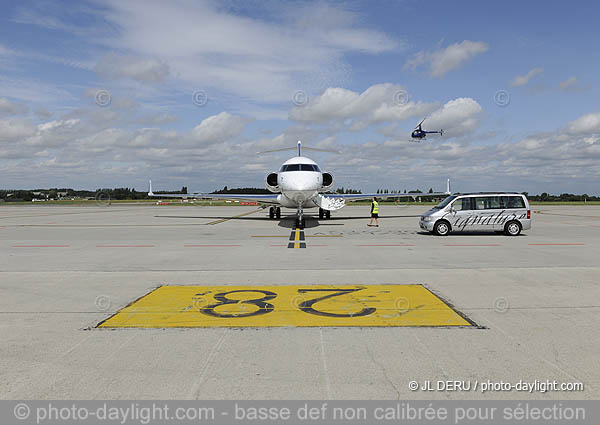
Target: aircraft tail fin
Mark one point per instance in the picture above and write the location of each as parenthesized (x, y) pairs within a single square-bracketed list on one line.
[(448, 187), (299, 148), (150, 193)]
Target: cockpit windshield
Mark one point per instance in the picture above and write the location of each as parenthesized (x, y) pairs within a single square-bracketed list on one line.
[(445, 202), (300, 167)]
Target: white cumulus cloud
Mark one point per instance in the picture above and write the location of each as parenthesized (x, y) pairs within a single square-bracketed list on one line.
[(586, 124), (378, 103), (457, 117), (387, 102), (219, 128)]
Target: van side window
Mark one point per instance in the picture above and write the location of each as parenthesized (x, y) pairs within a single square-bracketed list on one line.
[(462, 204), (487, 203), (514, 202)]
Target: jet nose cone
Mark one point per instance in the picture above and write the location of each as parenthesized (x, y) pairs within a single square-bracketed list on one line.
[(301, 182)]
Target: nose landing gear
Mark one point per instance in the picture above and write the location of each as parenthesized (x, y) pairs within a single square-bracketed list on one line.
[(300, 221)]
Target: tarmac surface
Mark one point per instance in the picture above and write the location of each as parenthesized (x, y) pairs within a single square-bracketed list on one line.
[(534, 300)]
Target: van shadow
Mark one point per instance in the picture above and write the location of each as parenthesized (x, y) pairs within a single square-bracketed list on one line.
[(471, 233)]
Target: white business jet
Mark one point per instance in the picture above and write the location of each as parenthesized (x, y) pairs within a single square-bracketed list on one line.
[(299, 184)]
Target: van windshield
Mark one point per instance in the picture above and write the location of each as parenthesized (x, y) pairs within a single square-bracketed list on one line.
[(445, 202)]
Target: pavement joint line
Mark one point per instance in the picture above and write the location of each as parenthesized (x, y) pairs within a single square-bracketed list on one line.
[(308, 236), (91, 226), (210, 245), (558, 244), (40, 246), (246, 270), (125, 246), (59, 213), (193, 394), (235, 216), (324, 363), (490, 244), (568, 215), (386, 245)]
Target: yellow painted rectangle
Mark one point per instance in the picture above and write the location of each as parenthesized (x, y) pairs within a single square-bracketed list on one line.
[(287, 305)]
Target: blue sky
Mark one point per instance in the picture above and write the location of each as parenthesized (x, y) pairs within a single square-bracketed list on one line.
[(101, 94)]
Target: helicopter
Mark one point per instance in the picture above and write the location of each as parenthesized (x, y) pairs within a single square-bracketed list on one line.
[(419, 134)]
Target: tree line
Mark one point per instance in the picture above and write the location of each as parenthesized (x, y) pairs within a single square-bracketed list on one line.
[(563, 197), (118, 193), (125, 193)]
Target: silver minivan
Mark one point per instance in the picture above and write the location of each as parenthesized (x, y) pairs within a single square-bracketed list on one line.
[(502, 212)]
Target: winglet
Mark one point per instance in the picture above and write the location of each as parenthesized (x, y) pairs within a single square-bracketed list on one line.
[(150, 193), (448, 192)]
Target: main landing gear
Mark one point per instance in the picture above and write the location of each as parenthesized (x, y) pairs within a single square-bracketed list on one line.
[(324, 213), (274, 212)]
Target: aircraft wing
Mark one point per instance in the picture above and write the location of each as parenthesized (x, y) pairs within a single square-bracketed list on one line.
[(270, 199), (363, 196), (366, 196)]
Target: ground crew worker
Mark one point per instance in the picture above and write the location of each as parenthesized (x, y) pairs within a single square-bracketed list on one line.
[(374, 213)]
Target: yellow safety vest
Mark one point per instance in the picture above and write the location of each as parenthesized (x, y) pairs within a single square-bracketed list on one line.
[(375, 207)]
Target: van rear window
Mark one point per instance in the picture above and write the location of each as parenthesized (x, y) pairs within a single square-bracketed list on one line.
[(513, 202)]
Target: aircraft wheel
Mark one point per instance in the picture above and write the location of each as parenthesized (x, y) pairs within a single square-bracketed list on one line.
[(327, 215), (278, 212), (271, 213), (321, 213)]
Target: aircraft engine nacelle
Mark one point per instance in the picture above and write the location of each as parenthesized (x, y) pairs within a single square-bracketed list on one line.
[(327, 182), (271, 183)]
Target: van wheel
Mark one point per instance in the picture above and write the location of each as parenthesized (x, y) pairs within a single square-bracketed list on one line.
[(512, 228), (441, 228)]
